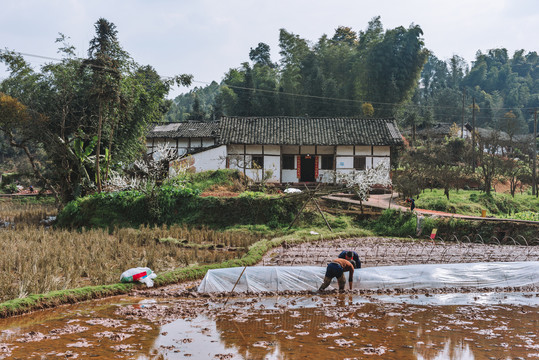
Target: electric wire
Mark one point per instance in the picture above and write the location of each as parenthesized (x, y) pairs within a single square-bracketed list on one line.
[(343, 101)]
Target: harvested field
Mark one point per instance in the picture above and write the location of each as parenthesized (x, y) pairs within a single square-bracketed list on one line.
[(23, 211), (37, 260)]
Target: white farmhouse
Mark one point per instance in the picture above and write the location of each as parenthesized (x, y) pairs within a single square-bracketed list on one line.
[(289, 149)]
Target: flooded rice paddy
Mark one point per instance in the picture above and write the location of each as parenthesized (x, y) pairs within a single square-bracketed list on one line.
[(175, 322), (333, 326)]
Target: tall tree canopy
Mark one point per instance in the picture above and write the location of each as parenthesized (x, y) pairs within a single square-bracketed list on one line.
[(333, 77), (80, 112)]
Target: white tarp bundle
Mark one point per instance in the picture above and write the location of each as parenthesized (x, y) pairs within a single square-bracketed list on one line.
[(301, 278)]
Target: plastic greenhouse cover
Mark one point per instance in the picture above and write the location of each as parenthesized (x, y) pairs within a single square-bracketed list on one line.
[(300, 278)]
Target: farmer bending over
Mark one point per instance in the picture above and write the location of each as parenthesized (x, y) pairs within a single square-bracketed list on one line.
[(337, 268), (351, 255)]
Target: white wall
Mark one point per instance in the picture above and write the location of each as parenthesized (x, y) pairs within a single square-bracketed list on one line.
[(307, 150), (289, 176), (253, 149), (343, 171), (207, 142), (239, 157), (345, 150), (235, 149), (255, 174), (380, 160), (363, 150), (273, 163), (272, 150), (290, 149), (212, 159), (344, 162), (326, 150), (183, 143), (381, 150)]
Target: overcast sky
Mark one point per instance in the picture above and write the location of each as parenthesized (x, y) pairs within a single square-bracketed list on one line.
[(205, 38)]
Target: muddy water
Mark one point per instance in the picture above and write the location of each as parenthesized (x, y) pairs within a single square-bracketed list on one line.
[(338, 326)]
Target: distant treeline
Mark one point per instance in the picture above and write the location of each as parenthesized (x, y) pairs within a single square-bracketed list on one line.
[(373, 72)]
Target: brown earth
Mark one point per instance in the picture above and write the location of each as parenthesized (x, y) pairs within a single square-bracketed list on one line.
[(376, 252), (175, 322)]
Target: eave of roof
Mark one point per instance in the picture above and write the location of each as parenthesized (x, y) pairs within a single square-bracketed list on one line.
[(185, 130), (309, 131)]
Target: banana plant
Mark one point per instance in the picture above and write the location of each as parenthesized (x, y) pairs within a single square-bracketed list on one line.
[(83, 152)]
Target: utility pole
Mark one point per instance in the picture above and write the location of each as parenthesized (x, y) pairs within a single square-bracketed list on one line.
[(473, 136), (534, 171), (462, 127)]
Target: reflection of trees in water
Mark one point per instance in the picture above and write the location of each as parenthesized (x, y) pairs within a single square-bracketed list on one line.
[(461, 350), (425, 332), (271, 326)]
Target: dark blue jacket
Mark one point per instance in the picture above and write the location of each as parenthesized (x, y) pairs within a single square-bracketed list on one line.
[(355, 257)]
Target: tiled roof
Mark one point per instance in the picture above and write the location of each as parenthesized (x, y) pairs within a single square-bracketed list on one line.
[(440, 129), (185, 130), (309, 131), (527, 138), (490, 133)]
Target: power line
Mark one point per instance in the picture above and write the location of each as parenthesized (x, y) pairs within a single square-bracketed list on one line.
[(356, 101), (275, 92)]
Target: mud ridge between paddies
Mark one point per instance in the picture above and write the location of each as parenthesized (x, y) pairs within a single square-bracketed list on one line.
[(531, 291)]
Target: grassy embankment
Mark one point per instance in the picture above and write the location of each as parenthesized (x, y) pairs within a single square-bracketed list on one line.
[(472, 202), (405, 224)]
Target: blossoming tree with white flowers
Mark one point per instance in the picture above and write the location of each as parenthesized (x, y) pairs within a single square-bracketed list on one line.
[(361, 182)]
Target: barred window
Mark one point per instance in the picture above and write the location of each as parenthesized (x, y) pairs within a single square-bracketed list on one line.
[(288, 162), (327, 162), (257, 162), (360, 162)]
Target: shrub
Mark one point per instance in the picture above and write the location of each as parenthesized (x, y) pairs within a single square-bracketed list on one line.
[(440, 204), (177, 205), (394, 223)]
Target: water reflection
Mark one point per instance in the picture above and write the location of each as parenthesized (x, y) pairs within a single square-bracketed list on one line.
[(323, 327), (342, 328), (459, 351)]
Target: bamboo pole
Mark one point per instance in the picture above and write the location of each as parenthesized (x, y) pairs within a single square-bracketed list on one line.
[(321, 213), (237, 281)]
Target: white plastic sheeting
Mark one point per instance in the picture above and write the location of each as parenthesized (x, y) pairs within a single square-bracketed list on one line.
[(300, 278)]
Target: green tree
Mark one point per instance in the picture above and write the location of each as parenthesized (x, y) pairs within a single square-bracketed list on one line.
[(490, 159), (197, 113), (105, 61), (17, 124), (293, 52), (393, 66), (62, 99), (261, 55)]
